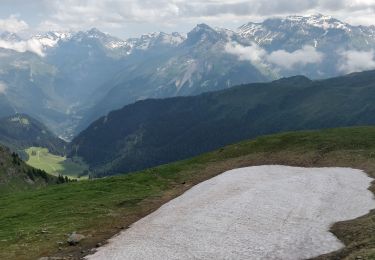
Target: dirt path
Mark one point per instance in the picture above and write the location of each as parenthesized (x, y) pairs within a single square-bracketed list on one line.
[(264, 212)]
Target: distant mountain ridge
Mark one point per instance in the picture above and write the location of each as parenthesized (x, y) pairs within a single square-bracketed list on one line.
[(316, 26), (76, 77), (158, 131)]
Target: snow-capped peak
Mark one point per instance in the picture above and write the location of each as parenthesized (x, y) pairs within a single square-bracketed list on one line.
[(318, 20), (277, 28), (51, 39), (170, 39), (315, 17), (150, 40), (314, 20)]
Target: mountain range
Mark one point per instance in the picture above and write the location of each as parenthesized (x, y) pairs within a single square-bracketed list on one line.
[(158, 131), (167, 111), (69, 79)]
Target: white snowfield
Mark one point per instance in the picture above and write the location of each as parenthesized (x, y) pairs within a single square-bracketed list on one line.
[(263, 212)]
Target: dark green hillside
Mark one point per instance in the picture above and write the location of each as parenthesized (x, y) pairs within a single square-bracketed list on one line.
[(154, 132), (22, 131), (32, 223), (16, 176)]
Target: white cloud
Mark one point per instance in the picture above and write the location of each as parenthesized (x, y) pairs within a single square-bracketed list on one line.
[(3, 87), (112, 14), (353, 61), (301, 57), (13, 24), (252, 53), (109, 13), (280, 58), (124, 17), (31, 45)]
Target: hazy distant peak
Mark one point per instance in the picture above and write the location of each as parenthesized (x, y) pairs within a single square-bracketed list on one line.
[(201, 33), (11, 37), (96, 33)]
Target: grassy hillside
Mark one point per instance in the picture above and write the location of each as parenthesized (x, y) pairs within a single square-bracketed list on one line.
[(41, 158), (16, 176), (154, 132), (33, 223)]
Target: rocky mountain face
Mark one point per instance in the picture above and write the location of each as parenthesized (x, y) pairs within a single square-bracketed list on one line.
[(293, 32), (69, 79)]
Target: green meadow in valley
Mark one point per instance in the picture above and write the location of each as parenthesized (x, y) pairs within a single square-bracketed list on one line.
[(41, 158)]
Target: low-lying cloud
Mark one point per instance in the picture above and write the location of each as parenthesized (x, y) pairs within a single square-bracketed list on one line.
[(302, 57), (31, 45), (354, 61), (281, 58), (3, 87), (252, 53)]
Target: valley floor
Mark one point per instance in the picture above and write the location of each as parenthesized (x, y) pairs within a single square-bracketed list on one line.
[(41, 158), (263, 212)]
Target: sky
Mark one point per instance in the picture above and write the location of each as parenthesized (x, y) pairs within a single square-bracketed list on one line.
[(130, 18)]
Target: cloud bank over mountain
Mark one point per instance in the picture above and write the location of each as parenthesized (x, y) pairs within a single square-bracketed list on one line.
[(31, 45), (280, 58), (302, 57), (354, 61), (252, 53), (134, 17)]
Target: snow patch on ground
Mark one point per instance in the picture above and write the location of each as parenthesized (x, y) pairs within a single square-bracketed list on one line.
[(263, 212)]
